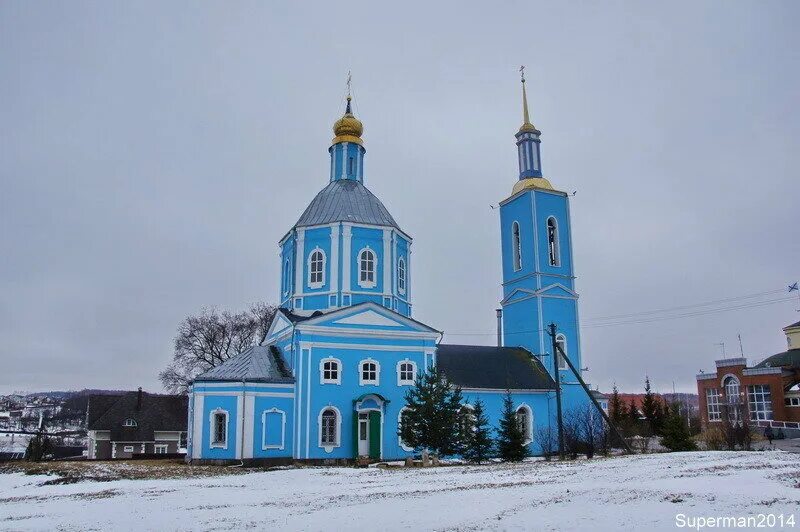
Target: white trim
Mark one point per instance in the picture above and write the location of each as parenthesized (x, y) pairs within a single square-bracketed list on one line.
[(370, 382), (347, 259), (387, 260), (316, 284), (370, 333), (238, 393), (401, 382), (211, 443), (363, 347), (197, 425), (308, 404), (529, 435), (400, 441), (224, 384), (334, 284), (374, 282), (381, 227), (158, 446), (338, 379), (264, 445), (127, 448), (330, 447), (299, 247)]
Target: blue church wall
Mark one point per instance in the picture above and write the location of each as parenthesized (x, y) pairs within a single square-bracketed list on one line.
[(341, 166), (518, 210), (276, 414), (561, 311), (521, 325), (363, 237), (552, 204), (316, 238), (229, 405)]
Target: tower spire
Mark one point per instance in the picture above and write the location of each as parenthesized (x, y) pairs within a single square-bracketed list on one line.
[(526, 120), (527, 139)]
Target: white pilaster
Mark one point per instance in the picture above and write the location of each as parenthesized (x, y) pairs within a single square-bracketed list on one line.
[(299, 255), (344, 159), (347, 259), (239, 425), (334, 262), (387, 261), (249, 422), (197, 427)]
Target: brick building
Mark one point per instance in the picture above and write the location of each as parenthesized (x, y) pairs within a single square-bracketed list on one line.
[(766, 393)]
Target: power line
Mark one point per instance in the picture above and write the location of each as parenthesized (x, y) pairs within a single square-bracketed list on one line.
[(646, 320)]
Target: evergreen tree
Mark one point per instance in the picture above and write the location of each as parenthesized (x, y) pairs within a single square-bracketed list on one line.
[(616, 408), (633, 412), (675, 433), (432, 418), (510, 439), (650, 407), (478, 443), (38, 447)]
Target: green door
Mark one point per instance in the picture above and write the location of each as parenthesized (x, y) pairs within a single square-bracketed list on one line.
[(375, 435)]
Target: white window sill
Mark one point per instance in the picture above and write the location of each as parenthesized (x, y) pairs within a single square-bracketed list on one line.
[(219, 445), (368, 383), (366, 284), (330, 448), (316, 285), (330, 382)]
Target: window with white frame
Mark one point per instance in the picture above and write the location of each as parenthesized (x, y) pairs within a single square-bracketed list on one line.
[(561, 341), (732, 399), (219, 428), (160, 448), (316, 269), (554, 255), (286, 277), (129, 423), (406, 372), (759, 400), (524, 418), (401, 275), (792, 401), (330, 371), (329, 428), (366, 268), (713, 403), (517, 246), (127, 449), (369, 372)]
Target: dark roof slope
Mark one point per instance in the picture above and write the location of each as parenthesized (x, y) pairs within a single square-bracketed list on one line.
[(152, 413), (261, 363), (787, 359), (796, 324), (98, 405), (499, 368), (346, 200)]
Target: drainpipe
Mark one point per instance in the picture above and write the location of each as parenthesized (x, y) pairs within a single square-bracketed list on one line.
[(499, 327), (244, 407)]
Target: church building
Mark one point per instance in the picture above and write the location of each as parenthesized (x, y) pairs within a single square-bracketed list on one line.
[(329, 382)]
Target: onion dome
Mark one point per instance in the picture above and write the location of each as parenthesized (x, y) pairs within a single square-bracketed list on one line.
[(348, 128)]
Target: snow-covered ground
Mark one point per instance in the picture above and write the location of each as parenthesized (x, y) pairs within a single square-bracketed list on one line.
[(643, 492)]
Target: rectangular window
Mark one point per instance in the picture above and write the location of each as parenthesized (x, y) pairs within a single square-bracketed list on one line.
[(127, 449), (759, 400), (161, 448), (350, 166), (713, 400), (220, 429)]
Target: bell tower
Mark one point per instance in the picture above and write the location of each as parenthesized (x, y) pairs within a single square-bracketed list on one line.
[(536, 242)]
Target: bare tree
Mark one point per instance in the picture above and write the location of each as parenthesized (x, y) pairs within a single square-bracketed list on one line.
[(546, 437), (207, 340)]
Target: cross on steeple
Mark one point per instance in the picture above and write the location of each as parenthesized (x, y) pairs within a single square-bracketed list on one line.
[(522, 73), (349, 81)]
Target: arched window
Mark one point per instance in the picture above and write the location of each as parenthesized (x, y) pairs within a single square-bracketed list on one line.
[(401, 275), (406, 372), (330, 371), (129, 423), (329, 428), (316, 269), (732, 399), (561, 341), (286, 280), (517, 246), (366, 268), (219, 428), (524, 418), (369, 372), (552, 242)]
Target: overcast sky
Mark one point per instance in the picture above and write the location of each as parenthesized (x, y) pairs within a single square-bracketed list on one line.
[(152, 154)]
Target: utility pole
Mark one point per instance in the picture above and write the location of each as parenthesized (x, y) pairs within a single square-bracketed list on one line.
[(557, 378)]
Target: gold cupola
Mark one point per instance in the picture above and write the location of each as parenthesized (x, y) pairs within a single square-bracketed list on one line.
[(348, 128)]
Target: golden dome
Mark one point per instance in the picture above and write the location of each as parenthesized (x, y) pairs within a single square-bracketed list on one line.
[(348, 128), (532, 182)]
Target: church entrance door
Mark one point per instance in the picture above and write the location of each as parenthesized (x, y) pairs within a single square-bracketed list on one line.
[(363, 434)]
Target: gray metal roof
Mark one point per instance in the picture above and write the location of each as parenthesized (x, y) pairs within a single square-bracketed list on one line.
[(346, 200), (261, 363), (499, 368)]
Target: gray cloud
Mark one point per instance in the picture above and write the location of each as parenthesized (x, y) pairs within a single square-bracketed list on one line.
[(151, 156)]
